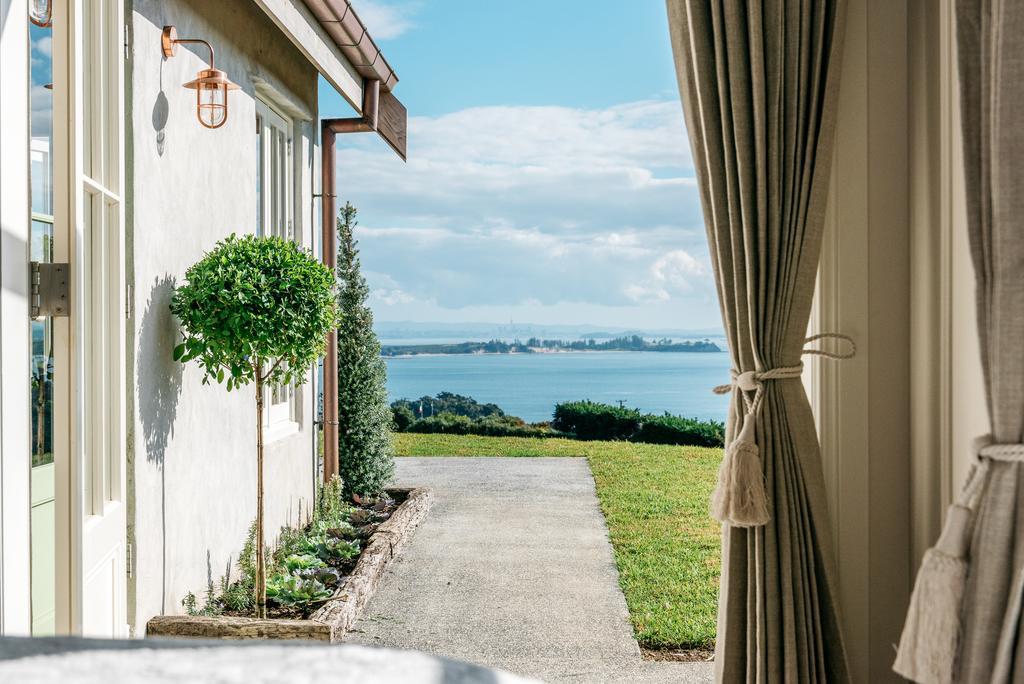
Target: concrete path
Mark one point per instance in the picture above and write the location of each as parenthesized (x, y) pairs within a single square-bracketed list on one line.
[(513, 569)]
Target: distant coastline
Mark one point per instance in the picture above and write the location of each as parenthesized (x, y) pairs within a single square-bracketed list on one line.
[(538, 346)]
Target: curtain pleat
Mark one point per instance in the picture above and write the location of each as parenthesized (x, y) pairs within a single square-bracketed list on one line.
[(759, 82), (990, 45)]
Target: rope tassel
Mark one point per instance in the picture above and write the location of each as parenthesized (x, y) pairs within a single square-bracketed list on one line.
[(740, 498), (931, 634), (930, 641)]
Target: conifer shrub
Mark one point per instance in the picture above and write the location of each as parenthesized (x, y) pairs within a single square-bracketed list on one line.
[(365, 453)]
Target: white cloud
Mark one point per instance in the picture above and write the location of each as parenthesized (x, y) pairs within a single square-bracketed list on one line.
[(678, 270), (393, 297), (385, 20), (502, 206), (672, 274), (41, 100), (44, 46)]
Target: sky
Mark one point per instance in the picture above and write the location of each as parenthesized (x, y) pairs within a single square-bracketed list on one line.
[(549, 178)]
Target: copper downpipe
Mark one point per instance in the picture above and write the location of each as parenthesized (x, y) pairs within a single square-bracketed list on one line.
[(329, 130)]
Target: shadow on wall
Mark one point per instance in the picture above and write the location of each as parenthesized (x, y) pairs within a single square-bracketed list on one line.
[(160, 111), (159, 388), (159, 373)]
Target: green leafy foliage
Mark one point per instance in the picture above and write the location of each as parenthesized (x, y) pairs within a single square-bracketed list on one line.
[(238, 596), (253, 301), (303, 561), (403, 417), (306, 566), (366, 458), (327, 547), (491, 426), (189, 604), (332, 509), (448, 402), (453, 414), (590, 420), (255, 309), (290, 589)]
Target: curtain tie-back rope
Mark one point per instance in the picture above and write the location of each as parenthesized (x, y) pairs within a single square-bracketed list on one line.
[(751, 381), (985, 447), (740, 498)]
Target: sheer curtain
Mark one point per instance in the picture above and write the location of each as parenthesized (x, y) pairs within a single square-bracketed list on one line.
[(759, 82)]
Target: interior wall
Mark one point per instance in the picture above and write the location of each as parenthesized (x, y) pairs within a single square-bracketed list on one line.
[(864, 291), (897, 421), (949, 408), (193, 446)]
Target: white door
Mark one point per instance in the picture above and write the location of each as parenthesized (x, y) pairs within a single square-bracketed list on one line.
[(89, 359)]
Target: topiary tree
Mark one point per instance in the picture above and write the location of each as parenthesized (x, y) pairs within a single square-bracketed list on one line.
[(255, 310), (365, 453)]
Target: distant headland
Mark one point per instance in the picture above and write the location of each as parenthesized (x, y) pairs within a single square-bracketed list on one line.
[(536, 345)]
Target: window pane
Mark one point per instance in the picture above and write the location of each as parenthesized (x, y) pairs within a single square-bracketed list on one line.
[(259, 174), (275, 171), (90, 85), (282, 160), (91, 357), (41, 101)]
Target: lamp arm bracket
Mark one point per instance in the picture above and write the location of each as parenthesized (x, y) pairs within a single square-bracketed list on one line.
[(169, 43)]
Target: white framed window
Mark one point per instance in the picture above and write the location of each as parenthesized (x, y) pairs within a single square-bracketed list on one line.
[(275, 215)]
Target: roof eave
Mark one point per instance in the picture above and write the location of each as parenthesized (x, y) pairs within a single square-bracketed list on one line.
[(331, 36), (341, 22)]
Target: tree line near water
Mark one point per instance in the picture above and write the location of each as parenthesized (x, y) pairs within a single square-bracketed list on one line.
[(534, 344), (450, 413)]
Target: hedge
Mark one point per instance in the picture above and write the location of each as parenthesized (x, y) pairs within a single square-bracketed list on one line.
[(589, 420), (492, 426)]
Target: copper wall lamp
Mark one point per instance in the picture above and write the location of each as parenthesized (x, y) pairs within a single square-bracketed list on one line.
[(40, 13), (211, 85)]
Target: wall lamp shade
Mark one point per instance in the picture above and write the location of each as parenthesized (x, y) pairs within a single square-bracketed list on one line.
[(40, 12), (211, 85)]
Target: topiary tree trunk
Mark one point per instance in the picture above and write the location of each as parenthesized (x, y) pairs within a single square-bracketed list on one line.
[(365, 452), (260, 577)]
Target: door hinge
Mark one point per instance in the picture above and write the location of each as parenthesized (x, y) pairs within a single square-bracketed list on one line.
[(127, 41), (49, 290), (128, 560), (128, 302)]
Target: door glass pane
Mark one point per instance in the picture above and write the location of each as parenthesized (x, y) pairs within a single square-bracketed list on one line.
[(41, 401), (90, 86)]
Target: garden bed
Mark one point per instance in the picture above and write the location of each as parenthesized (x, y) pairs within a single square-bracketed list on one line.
[(327, 620)]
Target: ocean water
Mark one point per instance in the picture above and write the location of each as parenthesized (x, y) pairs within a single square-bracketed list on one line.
[(529, 385)]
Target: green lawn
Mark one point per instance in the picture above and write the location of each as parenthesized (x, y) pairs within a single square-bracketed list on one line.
[(654, 498)]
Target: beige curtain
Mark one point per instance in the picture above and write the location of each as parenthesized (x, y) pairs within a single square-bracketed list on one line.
[(975, 573), (759, 82), (990, 41)]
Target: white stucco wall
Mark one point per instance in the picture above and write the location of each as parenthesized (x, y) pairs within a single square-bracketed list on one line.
[(192, 447)]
